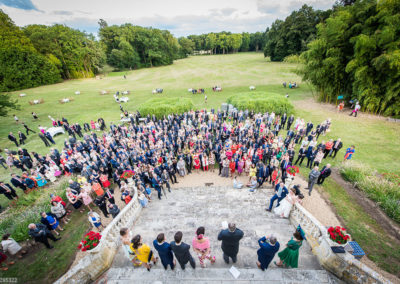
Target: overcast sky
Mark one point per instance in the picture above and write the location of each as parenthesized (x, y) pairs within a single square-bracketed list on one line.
[(181, 17)]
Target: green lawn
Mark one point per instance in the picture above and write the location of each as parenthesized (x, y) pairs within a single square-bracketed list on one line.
[(377, 141)]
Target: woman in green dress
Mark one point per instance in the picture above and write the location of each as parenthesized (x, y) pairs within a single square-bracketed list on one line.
[(290, 255)]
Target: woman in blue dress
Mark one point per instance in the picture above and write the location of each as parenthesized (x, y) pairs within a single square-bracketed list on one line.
[(52, 223), (41, 181)]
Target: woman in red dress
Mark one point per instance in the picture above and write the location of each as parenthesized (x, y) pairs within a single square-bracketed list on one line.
[(232, 166), (196, 162), (104, 181)]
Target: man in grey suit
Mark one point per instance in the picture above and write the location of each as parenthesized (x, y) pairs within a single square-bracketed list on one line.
[(181, 251), (312, 179), (230, 242)]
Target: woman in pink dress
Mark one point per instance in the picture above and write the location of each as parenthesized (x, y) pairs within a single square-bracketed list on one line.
[(240, 166), (201, 245), (84, 195), (92, 125)]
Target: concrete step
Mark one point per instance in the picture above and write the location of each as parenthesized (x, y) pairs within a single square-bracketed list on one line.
[(215, 275)]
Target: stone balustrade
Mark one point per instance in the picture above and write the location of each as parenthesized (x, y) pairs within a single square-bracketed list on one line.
[(99, 259), (342, 265)]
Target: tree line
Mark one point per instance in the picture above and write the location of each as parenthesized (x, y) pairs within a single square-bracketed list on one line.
[(224, 42)]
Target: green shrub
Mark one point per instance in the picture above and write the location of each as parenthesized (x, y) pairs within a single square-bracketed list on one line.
[(383, 191), (261, 102), (164, 106), (294, 58)]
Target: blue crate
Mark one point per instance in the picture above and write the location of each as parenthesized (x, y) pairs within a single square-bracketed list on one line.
[(358, 252)]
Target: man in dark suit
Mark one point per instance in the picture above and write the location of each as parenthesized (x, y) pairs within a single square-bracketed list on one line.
[(182, 251), (12, 138), (22, 137), (41, 234), (49, 137), (230, 242), (164, 251), (302, 155), (283, 120), (18, 182), (326, 172), (8, 191), (41, 136), (290, 122), (337, 145), (27, 128), (280, 193)]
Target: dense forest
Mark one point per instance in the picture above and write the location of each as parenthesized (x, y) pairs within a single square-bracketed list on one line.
[(357, 54)]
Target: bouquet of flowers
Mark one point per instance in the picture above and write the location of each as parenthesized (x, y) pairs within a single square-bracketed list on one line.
[(292, 170), (89, 241), (338, 235), (127, 174)]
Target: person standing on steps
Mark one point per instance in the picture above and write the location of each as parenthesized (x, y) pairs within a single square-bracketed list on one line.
[(164, 251), (181, 251), (269, 246), (326, 172), (143, 252), (230, 242), (289, 257), (201, 245), (312, 179)]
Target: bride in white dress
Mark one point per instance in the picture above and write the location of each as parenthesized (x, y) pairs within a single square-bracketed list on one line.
[(283, 210)]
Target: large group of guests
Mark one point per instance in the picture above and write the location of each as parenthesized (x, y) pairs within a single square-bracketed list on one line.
[(258, 145)]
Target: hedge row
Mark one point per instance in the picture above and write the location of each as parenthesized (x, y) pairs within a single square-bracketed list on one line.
[(164, 106), (262, 102)]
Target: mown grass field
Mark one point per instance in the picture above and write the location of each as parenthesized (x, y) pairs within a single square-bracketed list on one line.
[(377, 141)]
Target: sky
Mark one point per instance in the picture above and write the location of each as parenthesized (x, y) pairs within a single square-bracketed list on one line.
[(181, 17)]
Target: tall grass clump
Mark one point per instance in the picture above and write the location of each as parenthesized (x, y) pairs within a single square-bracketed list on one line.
[(262, 102), (383, 191), (28, 209), (164, 106)]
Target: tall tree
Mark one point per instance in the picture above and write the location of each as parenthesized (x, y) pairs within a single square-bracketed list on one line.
[(21, 65), (292, 35)]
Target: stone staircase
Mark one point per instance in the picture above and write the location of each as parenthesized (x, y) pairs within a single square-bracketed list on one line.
[(185, 209)]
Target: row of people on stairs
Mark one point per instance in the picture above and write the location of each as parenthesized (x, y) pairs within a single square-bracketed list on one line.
[(141, 254)]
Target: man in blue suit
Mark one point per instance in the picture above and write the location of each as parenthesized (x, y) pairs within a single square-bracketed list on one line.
[(262, 175), (268, 248), (164, 251), (280, 193)]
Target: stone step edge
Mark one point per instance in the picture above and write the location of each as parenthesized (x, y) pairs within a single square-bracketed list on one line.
[(272, 275)]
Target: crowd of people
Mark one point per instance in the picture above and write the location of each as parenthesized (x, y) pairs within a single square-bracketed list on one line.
[(258, 145), (141, 254)]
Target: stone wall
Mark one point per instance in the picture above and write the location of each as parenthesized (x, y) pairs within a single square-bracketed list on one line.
[(342, 265)]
